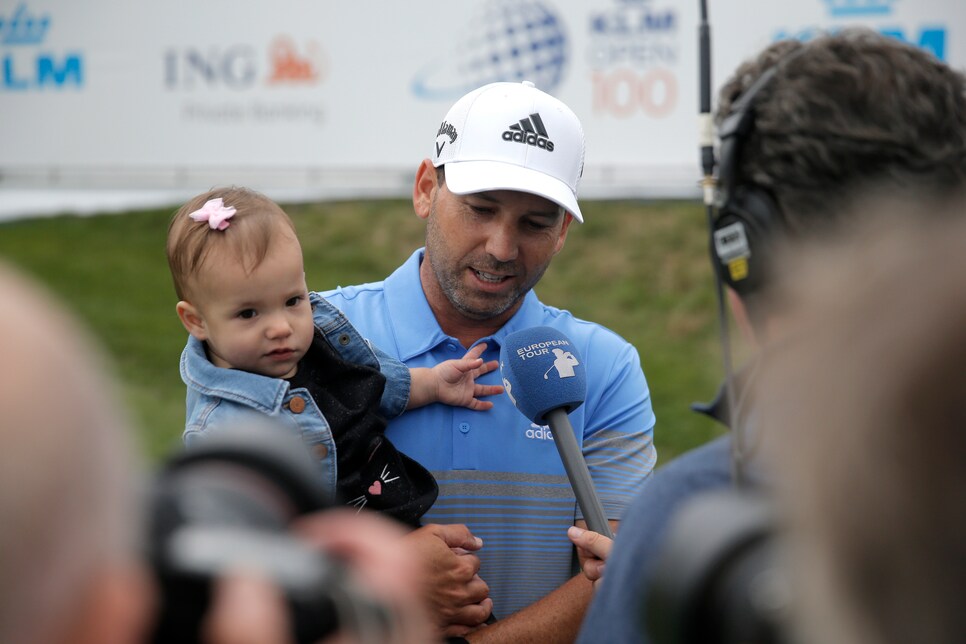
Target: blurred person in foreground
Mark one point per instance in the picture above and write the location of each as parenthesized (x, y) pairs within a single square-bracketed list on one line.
[(838, 117), (870, 484), (499, 197), (69, 484), (72, 505)]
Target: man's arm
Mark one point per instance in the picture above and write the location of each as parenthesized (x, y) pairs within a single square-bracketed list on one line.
[(554, 618)]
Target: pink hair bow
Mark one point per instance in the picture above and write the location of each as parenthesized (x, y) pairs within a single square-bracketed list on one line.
[(215, 212)]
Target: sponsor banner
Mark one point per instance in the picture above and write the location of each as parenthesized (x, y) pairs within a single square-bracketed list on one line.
[(344, 99)]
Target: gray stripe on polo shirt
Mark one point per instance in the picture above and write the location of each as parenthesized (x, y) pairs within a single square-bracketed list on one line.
[(474, 483), (500, 477), (522, 519)]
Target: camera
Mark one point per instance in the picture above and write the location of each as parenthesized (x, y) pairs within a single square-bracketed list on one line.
[(719, 578), (226, 504)]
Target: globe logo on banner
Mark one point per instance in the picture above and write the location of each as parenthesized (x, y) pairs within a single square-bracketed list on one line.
[(504, 40)]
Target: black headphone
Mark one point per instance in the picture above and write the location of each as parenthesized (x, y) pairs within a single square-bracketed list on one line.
[(747, 215)]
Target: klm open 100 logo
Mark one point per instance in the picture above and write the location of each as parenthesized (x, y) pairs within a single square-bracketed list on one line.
[(632, 50), (25, 68)]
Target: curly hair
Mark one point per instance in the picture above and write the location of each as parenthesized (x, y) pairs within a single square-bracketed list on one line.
[(853, 112)]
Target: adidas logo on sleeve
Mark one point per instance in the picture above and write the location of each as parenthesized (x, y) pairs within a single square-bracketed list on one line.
[(530, 131)]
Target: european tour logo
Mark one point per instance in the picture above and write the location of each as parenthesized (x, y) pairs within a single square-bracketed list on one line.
[(563, 364), (564, 361)]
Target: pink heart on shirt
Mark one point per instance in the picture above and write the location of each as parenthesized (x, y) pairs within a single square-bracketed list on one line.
[(376, 488)]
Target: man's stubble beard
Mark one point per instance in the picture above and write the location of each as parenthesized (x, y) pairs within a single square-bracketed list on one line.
[(449, 273)]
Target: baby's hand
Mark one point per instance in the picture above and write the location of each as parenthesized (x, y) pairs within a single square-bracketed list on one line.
[(456, 380)]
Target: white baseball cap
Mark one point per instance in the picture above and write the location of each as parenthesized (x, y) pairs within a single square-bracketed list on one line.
[(512, 136)]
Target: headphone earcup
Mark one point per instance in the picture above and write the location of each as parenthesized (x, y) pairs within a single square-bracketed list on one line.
[(740, 239)]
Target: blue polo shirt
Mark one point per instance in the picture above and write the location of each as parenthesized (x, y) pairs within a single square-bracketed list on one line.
[(499, 473)]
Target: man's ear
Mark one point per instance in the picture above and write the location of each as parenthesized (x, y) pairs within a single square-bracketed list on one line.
[(564, 228), (191, 319), (424, 188)]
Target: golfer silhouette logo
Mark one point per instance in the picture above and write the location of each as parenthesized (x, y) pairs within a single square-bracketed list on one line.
[(564, 364), (508, 388)]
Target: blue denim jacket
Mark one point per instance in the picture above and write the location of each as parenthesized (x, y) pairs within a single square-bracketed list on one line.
[(219, 397)]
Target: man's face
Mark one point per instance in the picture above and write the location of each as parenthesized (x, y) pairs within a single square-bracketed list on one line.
[(487, 249), (258, 321)]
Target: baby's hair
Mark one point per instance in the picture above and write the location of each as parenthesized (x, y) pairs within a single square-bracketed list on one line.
[(246, 239)]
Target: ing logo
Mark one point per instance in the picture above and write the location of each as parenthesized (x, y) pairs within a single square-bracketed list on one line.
[(241, 66)]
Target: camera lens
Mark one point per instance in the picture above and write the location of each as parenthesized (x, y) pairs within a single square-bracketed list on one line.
[(717, 579), (226, 504)]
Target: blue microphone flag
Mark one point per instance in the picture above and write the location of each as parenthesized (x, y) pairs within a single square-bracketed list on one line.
[(542, 371)]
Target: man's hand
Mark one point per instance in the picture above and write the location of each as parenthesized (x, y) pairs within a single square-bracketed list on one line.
[(593, 549), (457, 598)]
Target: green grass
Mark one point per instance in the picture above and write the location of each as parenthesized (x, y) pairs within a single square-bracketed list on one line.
[(638, 268)]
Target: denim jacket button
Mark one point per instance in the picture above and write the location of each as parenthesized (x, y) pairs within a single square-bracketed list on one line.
[(321, 450), (344, 339), (297, 404)]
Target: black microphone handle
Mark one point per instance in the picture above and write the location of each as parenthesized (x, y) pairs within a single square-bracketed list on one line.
[(577, 472)]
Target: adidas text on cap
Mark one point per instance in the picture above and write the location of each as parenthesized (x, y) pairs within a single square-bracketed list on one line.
[(512, 136)]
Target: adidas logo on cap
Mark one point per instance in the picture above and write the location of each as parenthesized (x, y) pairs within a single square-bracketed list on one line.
[(486, 145), (530, 131)]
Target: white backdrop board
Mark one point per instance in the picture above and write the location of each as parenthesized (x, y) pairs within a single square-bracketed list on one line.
[(342, 100)]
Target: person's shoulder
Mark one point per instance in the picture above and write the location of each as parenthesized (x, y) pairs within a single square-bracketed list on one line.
[(354, 291), (357, 299), (404, 278), (702, 469), (706, 464), (584, 332)]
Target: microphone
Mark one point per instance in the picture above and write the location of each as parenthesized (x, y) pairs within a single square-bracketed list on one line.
[(705, 120), (545, 380)]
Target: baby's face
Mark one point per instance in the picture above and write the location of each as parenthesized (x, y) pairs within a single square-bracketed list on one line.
[(260, 321)]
